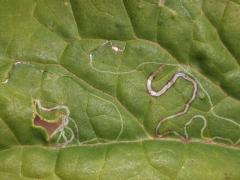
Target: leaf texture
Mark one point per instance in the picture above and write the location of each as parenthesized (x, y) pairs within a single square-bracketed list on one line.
[(119, 89)]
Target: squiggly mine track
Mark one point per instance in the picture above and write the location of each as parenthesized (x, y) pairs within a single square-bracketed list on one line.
[(185, 74), (165, 88)]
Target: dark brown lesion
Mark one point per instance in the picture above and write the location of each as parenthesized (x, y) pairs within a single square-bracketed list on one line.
[(50, 127)]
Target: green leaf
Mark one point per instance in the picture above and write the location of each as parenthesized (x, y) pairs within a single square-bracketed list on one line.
[(119, 89)]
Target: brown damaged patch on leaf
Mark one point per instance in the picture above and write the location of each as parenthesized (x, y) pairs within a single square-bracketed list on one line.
[(50, 127)]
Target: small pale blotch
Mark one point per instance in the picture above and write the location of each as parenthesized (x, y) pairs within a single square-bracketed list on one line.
[(117, 49), (20, 62), (5, 82)]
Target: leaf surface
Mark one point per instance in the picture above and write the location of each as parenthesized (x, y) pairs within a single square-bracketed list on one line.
[(119, 89)]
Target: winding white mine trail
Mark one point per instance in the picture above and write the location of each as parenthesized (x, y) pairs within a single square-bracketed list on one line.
[(184, 73), (166, 87)]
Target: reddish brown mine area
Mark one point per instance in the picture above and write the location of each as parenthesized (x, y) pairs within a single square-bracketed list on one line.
[(50, 127)]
